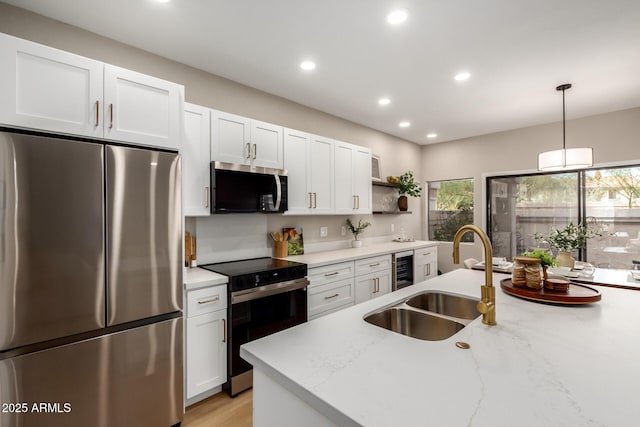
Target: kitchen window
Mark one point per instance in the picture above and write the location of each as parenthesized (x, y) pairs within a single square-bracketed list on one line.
[(520, 205), (450, 207)]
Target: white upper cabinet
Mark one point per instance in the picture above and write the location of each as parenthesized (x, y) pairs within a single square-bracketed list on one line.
[(308, 160), (142, 109), (362, 188), (51, 90), (266, 145), (48, 89), (237, 139), (352, 179), (230, 138), (195, 161)]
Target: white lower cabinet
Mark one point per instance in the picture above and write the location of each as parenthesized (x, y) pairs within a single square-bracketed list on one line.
[(373, 277), (331, 288), (425, 264), (206, 346)]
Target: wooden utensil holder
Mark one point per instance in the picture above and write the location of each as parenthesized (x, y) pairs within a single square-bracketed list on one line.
[(281, 249)]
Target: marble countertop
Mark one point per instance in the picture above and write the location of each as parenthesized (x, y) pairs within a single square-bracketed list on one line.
[(541, 365), (318, 259), (196, 278)]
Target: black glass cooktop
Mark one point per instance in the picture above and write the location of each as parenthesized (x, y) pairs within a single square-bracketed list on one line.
[(249, 273)]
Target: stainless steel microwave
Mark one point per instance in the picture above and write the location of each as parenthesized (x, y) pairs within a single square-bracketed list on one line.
[(245, 189)]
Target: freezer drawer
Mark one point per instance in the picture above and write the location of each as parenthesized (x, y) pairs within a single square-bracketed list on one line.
[(144, 242), (51, 238), (129, 378)]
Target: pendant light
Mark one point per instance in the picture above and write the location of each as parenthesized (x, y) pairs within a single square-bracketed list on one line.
[(567, 158)]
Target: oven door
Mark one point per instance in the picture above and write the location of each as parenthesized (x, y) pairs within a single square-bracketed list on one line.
[(259, 312)]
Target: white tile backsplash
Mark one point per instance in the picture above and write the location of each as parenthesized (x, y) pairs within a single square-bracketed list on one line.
[(221, 238)]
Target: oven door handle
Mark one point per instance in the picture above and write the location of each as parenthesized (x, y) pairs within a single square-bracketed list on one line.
[(268, 290)]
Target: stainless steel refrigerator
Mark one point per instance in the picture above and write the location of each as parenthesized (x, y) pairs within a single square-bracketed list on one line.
[(90, 284)]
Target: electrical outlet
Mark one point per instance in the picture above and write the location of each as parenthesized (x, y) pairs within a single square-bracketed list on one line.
[(324, 231), (393, 228), (343, 231)]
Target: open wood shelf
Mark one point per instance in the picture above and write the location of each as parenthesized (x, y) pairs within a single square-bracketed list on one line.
[(391, 213), (384, 184)]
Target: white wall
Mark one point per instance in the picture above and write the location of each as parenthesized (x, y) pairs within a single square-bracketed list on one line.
[(397, 155), (615, 138)]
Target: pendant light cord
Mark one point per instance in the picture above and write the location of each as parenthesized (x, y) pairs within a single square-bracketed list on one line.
[(564, 121)]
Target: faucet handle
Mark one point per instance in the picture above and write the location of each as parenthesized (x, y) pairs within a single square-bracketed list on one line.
[(485, 306)]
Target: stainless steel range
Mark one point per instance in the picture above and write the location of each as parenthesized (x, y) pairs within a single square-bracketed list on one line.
[(266, 295)]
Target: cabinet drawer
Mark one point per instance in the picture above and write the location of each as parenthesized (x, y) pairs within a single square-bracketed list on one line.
[(330, 296), (425, 255), (373, 264), (206, 300), (330, 273)]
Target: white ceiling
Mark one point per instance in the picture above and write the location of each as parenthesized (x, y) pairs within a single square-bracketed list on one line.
[(517, 52)]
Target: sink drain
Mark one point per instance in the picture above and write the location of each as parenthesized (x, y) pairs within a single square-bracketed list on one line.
[(463, 345)]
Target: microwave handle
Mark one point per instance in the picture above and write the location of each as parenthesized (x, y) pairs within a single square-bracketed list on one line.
[(278, 193)]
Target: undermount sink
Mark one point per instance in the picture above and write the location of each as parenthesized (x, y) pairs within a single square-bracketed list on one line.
[(447, 304), (415, 324), (430, 315)]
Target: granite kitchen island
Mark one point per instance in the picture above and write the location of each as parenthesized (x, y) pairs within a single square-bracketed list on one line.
[(541, 365)]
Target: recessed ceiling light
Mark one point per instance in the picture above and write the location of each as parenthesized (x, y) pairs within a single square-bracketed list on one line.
[(308, 65), (404, 124), (462, 76), (397, 16), (432, 135), (384, 101), (162, 1)]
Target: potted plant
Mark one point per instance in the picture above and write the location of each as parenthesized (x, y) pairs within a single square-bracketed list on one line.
[(546, 259), (568, 239), (357, 229), (407, 187)]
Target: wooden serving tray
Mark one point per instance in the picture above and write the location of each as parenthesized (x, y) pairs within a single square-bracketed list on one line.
[(577, 294)]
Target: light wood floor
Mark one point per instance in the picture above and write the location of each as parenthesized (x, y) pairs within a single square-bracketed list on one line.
[(221, 410)]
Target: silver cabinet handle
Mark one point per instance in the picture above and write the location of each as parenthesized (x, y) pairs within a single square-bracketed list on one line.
[(110, 116), (354, 202), (315, 200), (206, 197), (426, 253), (255, 151), (358, 200), (374, 265), (276, 206), (332, 296), (310, 200), (207, 301), (330, 274), (224, 330), (97, 113), (248, 150)]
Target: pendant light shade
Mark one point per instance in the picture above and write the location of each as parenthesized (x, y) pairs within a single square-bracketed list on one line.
[(566, 158)]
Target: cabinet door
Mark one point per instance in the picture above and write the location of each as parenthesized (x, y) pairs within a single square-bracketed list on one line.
[(365, 285), (206, 353), (372, 285), (321, 171), (195, 161), (266, 145), (230, 138), (48, 89), (142, 109), (296, 156), (362, 180), (384, 283), (344, 199)]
